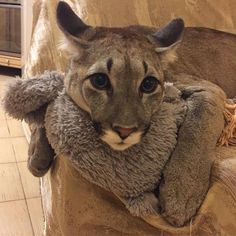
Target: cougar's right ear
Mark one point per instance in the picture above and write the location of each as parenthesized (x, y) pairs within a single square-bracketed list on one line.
[(71, 25)]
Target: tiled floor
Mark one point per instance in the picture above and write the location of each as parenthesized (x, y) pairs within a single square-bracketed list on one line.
[(20, 202)]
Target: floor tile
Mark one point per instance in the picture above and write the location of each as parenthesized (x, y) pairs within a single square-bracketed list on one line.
[(10, 184), (6, 151), (5, 78), (8, 117), (14, 219), (4, 132), (2, 113), (36, 215), (30, 183), (20, 146), (1, 94), (3, 88), (15, 128)]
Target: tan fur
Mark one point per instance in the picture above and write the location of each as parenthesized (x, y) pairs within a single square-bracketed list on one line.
[(205, 53), (125, 103), (208, 54)]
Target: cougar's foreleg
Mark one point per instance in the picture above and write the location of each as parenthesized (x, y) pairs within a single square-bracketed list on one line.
[(186, 176)]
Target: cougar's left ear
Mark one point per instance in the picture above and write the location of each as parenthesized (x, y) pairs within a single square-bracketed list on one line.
[(167, 39), (72, 26)]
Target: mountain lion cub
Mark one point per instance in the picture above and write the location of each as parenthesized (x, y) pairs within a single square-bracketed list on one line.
[(117, 75), (118, 78)]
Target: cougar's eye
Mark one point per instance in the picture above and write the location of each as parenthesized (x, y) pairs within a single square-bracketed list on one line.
[(149, 84), (100, 81)]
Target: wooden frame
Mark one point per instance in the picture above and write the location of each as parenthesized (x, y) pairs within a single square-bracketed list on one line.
[(10, 61)]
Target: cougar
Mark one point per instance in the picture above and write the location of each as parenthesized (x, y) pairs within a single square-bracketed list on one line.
[(119, 75)]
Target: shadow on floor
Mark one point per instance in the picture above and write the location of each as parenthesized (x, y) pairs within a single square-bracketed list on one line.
[(8, 71)]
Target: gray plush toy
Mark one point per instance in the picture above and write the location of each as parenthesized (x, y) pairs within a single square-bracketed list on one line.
[(138, 174)]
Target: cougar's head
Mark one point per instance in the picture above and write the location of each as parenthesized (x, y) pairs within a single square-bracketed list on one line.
[(116, 74)]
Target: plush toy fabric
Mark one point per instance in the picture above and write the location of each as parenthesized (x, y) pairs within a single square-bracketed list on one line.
[(133, 174), (146, 177)]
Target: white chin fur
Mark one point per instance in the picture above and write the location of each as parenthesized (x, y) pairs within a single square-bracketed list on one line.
[(116, 143)]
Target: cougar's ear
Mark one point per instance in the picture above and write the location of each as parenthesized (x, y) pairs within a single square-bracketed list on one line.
[(72, 26), (168, 38)]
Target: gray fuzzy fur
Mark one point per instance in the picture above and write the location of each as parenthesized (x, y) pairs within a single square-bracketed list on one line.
[(28, 99), (70, 130), (131, 174), (186, 176), (174, 156)]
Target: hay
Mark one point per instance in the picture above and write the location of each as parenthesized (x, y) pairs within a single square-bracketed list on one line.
[(228, 136)]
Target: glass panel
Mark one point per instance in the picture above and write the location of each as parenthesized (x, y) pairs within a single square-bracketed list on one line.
[(4, 28), (15, 30), (11, 1), (10, 28)]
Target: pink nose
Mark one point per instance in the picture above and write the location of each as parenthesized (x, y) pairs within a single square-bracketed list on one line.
[(124, 132)]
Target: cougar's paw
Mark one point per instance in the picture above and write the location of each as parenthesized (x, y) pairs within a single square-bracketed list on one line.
[(179, 218), (144, 205), (179, 212), (175, 218)]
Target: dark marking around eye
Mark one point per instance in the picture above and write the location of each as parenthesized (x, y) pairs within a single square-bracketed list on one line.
[(97, 126), (109, 64), (145, 67)]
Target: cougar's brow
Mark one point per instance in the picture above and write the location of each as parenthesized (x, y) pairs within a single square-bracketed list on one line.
[(109, 64)]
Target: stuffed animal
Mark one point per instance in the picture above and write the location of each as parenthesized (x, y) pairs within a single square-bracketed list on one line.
[(137, 174), (149, 142)]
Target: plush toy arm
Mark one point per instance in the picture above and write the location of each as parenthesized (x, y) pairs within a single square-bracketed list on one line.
[(41, 154), (29, 97), (187, 174)]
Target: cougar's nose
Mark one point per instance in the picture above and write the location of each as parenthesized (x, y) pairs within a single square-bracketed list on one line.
[(124, 132)]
